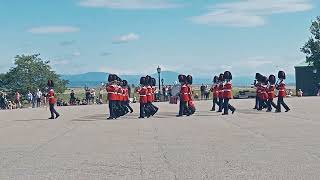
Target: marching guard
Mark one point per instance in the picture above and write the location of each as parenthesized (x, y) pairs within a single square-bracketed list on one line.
[(215, 93), (142, 91), (220, 92), (126, 95), (52, 100), (112, 90), (227, 93), (281, 86), (271, 93)]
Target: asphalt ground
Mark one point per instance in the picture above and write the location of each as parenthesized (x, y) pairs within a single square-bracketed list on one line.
[(83, 144)]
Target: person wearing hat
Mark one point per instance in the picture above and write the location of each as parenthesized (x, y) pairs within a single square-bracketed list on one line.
[(184, 96), (271, 93), (215, 92), (142, 91), (227, 94), (282, 92), (52, 100), (112, 90)]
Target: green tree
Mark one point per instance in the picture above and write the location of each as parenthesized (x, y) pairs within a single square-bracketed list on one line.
[(31, 73), (312, 47)]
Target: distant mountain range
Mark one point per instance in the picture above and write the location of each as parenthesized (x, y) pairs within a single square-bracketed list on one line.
[(94, 79)]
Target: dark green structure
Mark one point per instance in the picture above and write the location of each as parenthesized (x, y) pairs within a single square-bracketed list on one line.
[(307, 79)]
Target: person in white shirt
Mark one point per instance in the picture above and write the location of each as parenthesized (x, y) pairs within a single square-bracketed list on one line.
[(39, 95)]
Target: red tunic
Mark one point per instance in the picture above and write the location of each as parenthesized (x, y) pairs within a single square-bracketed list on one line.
[(282, 89), (215, 91), (153, 93), (143, 94), (52, 99), (227, 90), (264, 93), (184, 91), (149, 94), (190, 92), (112, 92), (125, 94), (271, 93)]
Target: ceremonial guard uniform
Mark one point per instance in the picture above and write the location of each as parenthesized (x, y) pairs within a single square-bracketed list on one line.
[(143, 97), (184, 95), (227, 93), (112, 90), (263, 93), (191, 106), (220, 92), (257, 84), (126, 95), (52, 100), (271, 93), (282, 92), (215, 93)]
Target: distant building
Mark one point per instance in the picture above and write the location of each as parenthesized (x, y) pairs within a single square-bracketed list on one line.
[(307, 79)]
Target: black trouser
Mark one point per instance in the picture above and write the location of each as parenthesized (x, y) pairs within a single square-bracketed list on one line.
[(262, 104), (281, 102), (127, 104), (112, 109), (220, 103), (142, 110), (215, 102), (257, 105), (183, 107), (271, 104), (53, 111), (227, 106)]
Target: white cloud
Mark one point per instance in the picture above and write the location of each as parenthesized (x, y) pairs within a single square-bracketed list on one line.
[(128, 4), (53, 29), (249, 13), (126, 38), (76, 53)]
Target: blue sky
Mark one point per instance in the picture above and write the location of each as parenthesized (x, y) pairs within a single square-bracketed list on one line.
[(201, 37)]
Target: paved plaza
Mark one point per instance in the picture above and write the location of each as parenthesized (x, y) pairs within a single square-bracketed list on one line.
[(82, 144)]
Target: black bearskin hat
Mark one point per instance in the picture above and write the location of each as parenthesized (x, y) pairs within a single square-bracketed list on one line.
[(182, 78), (215, 79), (221, 78), (124, 82), (112, 77), (264, 79), (272, 79), (143, 80), (259, 77), (281, 75), (153, 82), (189, 79), (227, 75), (148, 80)]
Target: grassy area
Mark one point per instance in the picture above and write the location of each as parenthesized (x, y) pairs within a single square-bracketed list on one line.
[(80, 93)]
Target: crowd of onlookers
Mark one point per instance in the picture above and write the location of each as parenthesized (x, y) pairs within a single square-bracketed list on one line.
[(90, 98), (38, 99)]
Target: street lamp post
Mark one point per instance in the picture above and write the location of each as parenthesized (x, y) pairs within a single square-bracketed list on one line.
[(315, 80), (162, 82), (159, 71)]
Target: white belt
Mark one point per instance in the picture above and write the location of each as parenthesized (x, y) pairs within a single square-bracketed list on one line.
[(227, 90), (112, 93), (143, 95), (281, 90), (185, 93)]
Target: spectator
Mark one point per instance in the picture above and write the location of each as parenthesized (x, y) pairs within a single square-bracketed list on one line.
[(100, 96), (87, 95), (202, 91), (3, 104), (34, 99), (300, 93), (29, 98), (18, 100), (39, 95), (72, 98)]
